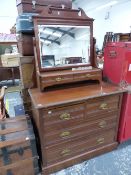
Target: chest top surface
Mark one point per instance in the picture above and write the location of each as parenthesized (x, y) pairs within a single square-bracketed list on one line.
[(71, 95)]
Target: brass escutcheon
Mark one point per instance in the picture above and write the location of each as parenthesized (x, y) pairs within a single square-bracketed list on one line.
[(104, 106), (100, 140), (89, 75), (65, 134), (102, 124), (65, 116), (58, 79), (65, 152)]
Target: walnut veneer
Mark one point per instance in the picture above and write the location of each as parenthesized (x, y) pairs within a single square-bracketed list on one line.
[(76, 124)]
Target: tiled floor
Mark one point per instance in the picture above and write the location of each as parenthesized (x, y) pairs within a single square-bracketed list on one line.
[(117, 162)]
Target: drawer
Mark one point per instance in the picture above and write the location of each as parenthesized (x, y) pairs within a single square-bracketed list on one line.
[(78, 146), (50, 80), (79, 130), (102, 105), (86, 76), (49, 128), (63, 114)]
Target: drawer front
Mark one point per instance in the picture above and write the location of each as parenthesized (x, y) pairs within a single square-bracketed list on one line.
[(57, 79), (64, 114), (87, 76), (69, 149), (102, 105), (79, 130), (51, 128)]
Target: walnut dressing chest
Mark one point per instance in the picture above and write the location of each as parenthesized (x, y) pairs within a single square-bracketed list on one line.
[(76, 115), (76, 124)]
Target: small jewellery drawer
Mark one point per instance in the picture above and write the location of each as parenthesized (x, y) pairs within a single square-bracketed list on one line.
[(50, 80), (63, 114), (102, 104), (79, 130), (91, 75), (74, 147)]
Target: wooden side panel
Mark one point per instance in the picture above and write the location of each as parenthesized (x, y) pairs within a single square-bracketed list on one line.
[(25, 44), (27, 72)]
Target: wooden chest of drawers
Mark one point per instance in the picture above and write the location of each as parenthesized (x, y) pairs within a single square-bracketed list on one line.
[(76, 124)]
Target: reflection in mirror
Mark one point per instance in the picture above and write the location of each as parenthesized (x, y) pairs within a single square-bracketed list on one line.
[(64, 45), (100, 59)]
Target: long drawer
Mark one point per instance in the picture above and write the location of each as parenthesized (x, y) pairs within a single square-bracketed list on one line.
[(78, 146), (58, 134)]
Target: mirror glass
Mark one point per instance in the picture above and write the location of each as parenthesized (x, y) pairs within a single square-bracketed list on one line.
[(64, 45)]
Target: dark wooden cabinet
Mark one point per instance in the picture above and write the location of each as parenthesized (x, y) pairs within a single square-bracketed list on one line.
[(75, 124)]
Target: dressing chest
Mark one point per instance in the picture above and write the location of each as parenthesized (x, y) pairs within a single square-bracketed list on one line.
[(76, 115)]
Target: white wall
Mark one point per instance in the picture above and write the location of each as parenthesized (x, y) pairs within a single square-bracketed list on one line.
[(119, 20), (8, 14)]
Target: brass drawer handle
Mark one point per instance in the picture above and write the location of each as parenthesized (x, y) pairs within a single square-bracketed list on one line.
[(102, 124), (65, 134), (104, 106), (89, 75), (66, 152), (58, 79), (65, 116), (100, 140)]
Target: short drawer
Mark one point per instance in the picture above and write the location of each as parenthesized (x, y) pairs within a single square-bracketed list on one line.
[(102, 104), (74, 147), (79, 130), (87, 76), (50, 80), (63, 114)]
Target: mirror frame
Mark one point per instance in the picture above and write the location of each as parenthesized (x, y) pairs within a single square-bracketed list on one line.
[(55, 16)]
